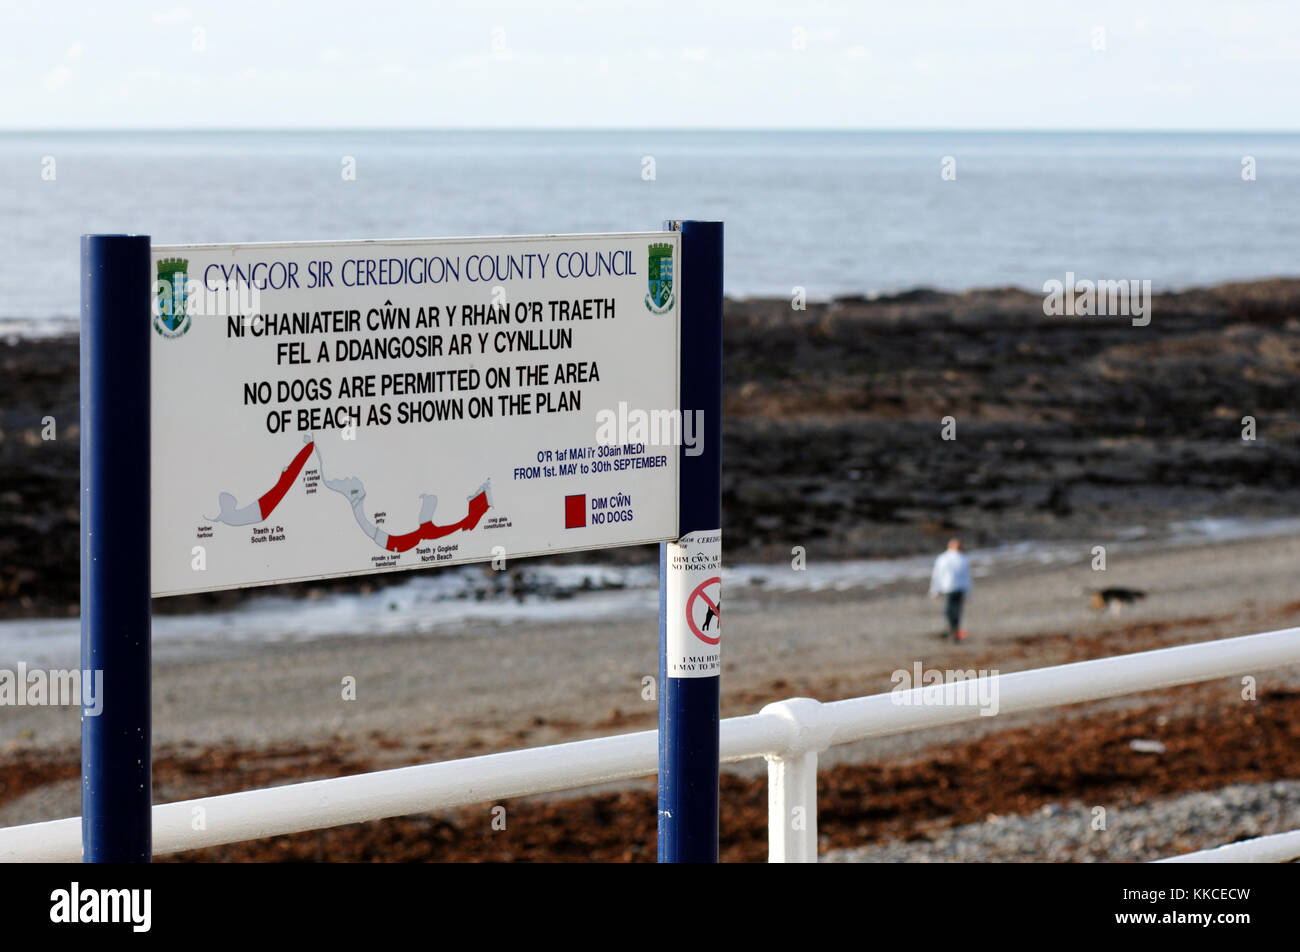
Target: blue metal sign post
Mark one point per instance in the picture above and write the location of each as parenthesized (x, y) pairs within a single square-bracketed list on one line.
[(116, 767), (689, 706)]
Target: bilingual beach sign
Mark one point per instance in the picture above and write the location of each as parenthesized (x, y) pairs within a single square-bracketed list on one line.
[(262, 413), (331, 409)]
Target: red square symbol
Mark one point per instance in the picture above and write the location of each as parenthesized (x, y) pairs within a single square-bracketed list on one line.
[(575, 511)]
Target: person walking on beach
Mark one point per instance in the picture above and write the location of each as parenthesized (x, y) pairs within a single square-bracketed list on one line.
[(951, 579)]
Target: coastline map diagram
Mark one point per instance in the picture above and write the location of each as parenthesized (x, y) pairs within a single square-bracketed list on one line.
[(353, 490)]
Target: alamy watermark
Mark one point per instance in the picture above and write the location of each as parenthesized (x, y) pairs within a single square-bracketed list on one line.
[(78, 904), (623, 427), (178, 299), (1084, 298), (926, 687), (54, 687)]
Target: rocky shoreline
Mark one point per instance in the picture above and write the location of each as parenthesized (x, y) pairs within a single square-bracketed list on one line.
[(1138, 833), (834, 435)]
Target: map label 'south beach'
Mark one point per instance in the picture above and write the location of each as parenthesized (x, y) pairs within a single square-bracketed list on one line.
[(325, 409)]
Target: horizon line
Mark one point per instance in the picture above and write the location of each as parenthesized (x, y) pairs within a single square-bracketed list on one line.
[(942, 130)]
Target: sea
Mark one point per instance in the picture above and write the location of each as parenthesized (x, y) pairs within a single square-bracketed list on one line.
[(830, 213)]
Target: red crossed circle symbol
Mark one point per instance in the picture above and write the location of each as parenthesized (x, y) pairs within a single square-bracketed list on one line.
[(710, 603)]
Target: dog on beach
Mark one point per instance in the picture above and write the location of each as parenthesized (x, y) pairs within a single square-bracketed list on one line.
[(1114, 598)]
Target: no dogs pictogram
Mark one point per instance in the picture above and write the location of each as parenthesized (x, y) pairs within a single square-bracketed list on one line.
[(703, 611)]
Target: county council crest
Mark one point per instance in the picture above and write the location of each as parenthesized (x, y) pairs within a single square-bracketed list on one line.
[(659, 299), (171, 318)]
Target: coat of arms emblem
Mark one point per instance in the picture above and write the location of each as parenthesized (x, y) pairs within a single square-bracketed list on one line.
[(659, 297), (170, 317)]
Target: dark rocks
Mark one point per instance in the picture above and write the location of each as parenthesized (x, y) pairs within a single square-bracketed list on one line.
[(1066, 428)]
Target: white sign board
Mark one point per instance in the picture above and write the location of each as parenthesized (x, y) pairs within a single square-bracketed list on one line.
[(338, 408)]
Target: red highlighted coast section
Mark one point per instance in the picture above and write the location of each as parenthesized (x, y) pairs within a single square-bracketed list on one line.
[(478, 505), (271, 499), (352, 489), (234, 515)]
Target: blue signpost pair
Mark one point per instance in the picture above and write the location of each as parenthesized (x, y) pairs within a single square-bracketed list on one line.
[(116, 765)]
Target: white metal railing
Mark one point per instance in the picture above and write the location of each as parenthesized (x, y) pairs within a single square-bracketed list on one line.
[(1277, 848), (789, 734)]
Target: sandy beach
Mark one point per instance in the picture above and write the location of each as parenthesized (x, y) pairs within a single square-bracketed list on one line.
[(271, 713)]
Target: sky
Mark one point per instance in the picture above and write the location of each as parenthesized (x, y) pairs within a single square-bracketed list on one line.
[(1000, 64)]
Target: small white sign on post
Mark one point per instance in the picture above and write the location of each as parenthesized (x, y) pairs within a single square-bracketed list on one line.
[(693, 604), (326, 409)]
